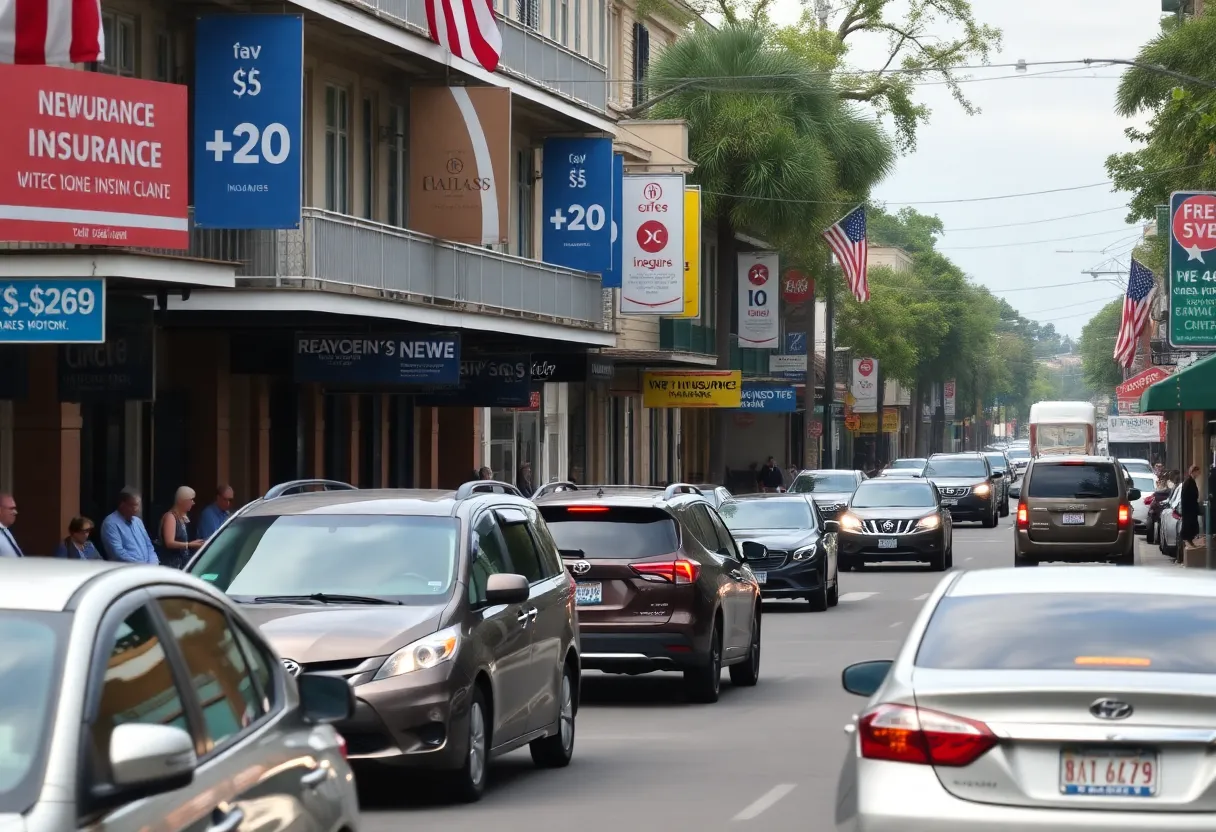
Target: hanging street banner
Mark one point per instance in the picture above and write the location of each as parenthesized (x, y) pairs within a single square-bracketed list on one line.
[(359, 358), (1127, 394), (769, 398), (248, 120), (1192, 265), (949, 405), (695, 388), (92, 159), (865, 385), (759, 296), (692, 252), (576, 200), (1150, 427), (652, 232), (611, 277)]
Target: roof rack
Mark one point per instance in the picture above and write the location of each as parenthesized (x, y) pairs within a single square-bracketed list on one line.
[(680, 488), (486, 487), (296, 486), (554, 488)]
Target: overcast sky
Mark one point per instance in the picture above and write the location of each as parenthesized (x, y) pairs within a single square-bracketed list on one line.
[(1033, 134)]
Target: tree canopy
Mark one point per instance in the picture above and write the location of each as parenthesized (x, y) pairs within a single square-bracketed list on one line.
[(1100, 370)]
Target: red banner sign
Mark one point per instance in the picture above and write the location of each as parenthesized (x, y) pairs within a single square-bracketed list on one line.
[(1135, 386), (92, 159), (796, 287)]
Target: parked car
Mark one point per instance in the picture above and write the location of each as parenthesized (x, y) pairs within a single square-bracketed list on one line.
[(1139, 466), (1097, 717), (968, 486), (1146, 484), (829, 488), (449, 614), (138, 697), (1156, 503), (896, 520), (1171, 525), (801, 559), (1075, 509), (662, 583)]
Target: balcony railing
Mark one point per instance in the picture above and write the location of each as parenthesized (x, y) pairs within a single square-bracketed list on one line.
[(346, 251), (525, 52), (688, 336)]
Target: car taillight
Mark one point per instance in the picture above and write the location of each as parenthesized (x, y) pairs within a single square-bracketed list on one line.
[(1125, 515), (677, 571), (1023, 516), (905, 734), (342, 746)]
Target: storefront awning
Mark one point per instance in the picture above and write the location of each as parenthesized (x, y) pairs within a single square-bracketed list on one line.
[(1192, 388)]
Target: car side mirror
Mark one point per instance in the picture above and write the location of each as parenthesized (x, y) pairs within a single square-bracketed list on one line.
[(831, 526), (1133, 494), (996, 475), (506, 588), (752, 550), (325, 699), (148, 759), (865, 678)]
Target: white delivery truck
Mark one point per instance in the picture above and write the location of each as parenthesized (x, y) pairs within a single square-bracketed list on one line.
[(1063, 428)]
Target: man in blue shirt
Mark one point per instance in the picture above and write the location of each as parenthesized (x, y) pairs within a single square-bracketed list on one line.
[(214, 515), (123, 533)]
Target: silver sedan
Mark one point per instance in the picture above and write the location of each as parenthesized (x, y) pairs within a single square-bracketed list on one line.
[(1064, 699)]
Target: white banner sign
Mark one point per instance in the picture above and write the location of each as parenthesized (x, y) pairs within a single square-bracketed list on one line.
[(948, 397), (865, 385), (759, 301), (778, 363), (1149, 428), (652, 245)]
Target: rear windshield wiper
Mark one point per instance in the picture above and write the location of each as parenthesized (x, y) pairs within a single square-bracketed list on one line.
[(324, 598), (1093, 495), (572, 553)]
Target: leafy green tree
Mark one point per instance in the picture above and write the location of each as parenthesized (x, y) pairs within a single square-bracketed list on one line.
[(1099, 368)]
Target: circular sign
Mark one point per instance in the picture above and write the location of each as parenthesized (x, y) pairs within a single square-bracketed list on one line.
[(796, 287), (1194, 223), (757, 275), (652, 236), (865, 366), (815, 429), (852, 422), (653, 192)]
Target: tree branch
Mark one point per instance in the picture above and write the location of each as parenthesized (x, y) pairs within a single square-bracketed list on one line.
[(851, 18)]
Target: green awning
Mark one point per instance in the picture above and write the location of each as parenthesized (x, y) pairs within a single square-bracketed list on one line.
[(1192, 388)]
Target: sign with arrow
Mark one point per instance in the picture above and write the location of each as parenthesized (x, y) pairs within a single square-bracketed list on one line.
[(1192, 275)]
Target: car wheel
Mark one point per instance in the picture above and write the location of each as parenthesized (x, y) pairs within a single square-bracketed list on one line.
[(990, 522), (747, 673), (468, 783), (950, 557), (819, 598), (1128, 559), (1005, 507), (704, 684), (556, 751), (937, 562), (1149, 529), (843, 564), (1018, 560), (834, 592)]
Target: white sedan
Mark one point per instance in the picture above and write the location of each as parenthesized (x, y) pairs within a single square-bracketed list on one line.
[(1147, 484)]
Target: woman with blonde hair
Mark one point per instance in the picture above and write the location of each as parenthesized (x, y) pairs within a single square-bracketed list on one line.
[(173, 545)]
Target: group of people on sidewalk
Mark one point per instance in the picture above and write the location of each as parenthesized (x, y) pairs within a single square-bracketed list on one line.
[(124, 537)]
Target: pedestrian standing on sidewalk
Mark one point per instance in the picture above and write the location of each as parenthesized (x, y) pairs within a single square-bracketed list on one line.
[(123, 536), (173, 545), (216, 514), (77, 546), (8, 516), (1189, 507), (769, 478)]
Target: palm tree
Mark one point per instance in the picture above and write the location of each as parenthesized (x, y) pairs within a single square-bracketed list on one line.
[(779, 154)]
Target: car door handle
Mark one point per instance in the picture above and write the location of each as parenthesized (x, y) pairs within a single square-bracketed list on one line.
[(522, 618), (315, 777), (532, 613), (230, 822)]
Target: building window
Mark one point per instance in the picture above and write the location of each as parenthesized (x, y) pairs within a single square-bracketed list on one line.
[(398, 163), (165, 68), (641, 61), (528, 12), (337, 150), (614, 55), (709, 282), (578, 25), (369, 159), (120, 32), (524, 205), (563, 21), (595, 31)]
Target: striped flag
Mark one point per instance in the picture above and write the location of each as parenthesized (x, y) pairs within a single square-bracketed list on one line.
[(1136, 305), (466, 28), (51, 32), (847, 239)]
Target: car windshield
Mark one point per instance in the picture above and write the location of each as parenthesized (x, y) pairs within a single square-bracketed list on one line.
[(30, 672), (816, 482), (894, 495), (1138, 466), (767, 514), (908, 463), (1145, 483), (956, 467), (1018, 453), (603, 532), (1073, 481), (997, 462), (1162, 633), (411, 560)]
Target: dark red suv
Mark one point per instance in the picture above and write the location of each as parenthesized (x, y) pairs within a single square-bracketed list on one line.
[(661, 582)]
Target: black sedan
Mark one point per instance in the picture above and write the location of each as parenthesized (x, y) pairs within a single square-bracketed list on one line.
[(830, 490), (968, 486), (896, 520), (801, 561)]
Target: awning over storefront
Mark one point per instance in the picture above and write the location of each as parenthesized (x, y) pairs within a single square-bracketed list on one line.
[(1192, 388)]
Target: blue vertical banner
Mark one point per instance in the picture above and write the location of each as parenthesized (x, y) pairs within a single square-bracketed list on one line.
[(612, 276), (576, 200), (795, 343), (248, 120)]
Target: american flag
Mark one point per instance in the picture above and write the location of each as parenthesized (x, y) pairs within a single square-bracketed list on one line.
[(51, 32), (847, 239), (1136, 305), (467, 28)]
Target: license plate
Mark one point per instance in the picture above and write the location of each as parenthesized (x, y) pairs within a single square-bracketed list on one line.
[(887, 543), (1074, 519), (1108, 775), (761, 577), (588, 594), (949, 501)]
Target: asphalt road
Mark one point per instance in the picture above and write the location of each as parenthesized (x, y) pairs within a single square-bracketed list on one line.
[(765, 758)]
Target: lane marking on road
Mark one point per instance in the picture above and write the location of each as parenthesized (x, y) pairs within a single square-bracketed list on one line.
[(765, 802), (897, 624), (967, 559), (921, 597), (856, 596)]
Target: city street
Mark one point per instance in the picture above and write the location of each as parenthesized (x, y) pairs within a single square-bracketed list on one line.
[(765, 757)]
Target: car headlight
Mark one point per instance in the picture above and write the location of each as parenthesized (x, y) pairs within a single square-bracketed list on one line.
[(982, 490), (428, 651), (930, 522), (806, 552), (850, 523)]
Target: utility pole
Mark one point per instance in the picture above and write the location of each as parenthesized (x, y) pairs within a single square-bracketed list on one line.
[(829, 373)]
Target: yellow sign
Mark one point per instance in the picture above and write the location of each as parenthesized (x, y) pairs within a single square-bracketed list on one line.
[(692, 252), (705, 388), (868, 422), (852, 422)]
